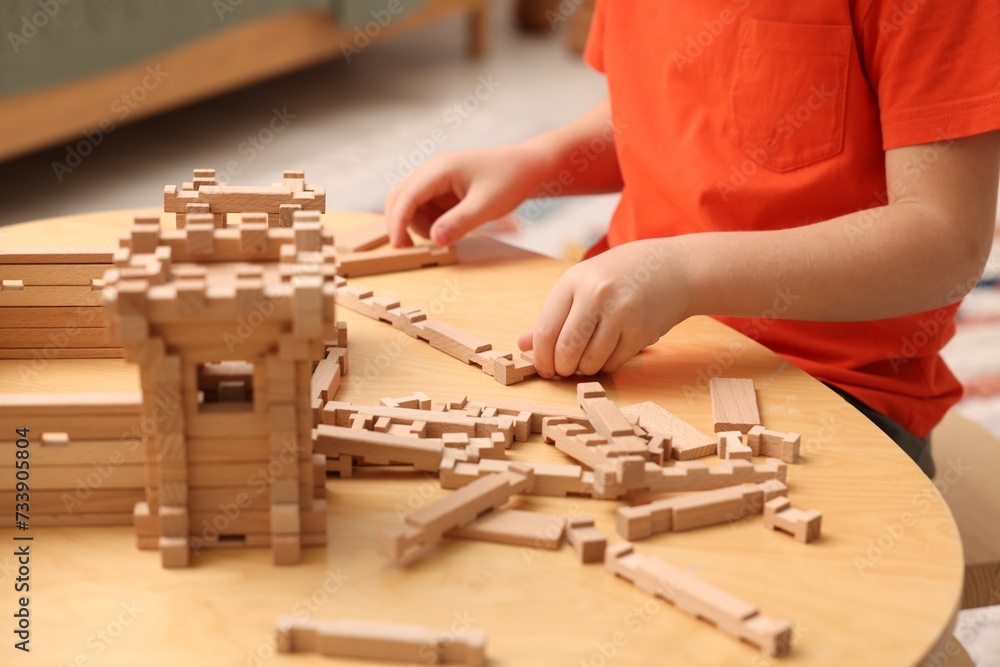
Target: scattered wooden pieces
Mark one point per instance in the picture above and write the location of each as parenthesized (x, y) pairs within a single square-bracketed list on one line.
[(430, 523), (699, 598), (390, 260), (588, 542), (686, 442), (516, 527), (376, 640), (731, 446), (775, 444), (803, 525), (734, 404), (696, 510)]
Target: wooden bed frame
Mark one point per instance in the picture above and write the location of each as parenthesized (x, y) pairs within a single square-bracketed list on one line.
[(279, 44)]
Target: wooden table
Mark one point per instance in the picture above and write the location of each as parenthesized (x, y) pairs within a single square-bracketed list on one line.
[(880, 588)]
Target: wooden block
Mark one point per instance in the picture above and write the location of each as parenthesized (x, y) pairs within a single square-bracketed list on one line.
[(308, 232), (516, 527), (287, 549), (586, 540), (253, 237), (364, 237), (508, 372), (380, 641), (731, 446), (200, 235), (699, 598), (391, 260), (734, 404), (804, 526), (774, 444), (286, 214), (174, 552), (174, 521), (687, 442), (285, 518), (377, 448), (56, 256), (453, 341), (429, 523)]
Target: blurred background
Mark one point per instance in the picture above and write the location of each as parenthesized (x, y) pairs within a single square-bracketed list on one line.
[(103, 103)]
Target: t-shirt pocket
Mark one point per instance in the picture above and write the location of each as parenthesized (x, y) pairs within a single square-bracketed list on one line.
[(787, 100)]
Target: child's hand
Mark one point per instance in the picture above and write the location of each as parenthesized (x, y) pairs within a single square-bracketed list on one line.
[(603, 311), (454, 193)]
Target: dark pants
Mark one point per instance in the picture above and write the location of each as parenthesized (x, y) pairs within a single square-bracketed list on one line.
[(918, 449)]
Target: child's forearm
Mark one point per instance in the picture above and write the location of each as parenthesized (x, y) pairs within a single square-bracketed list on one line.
[(579, 157), (923, 250)]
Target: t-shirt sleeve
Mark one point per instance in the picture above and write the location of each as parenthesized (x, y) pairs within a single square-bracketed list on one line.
[(593, 53), (934, 67)]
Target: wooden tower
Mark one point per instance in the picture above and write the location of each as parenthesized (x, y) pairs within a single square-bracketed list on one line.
[(225, 323)]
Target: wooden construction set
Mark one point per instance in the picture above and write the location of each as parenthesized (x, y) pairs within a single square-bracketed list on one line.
[(240, 357)]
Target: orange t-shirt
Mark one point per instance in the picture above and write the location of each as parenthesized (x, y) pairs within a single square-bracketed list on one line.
[(769, 114)]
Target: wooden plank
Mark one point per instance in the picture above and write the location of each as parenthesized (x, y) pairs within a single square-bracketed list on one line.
[(61, 337), (364, 237), (515, 527), (76, 452), (62, 353), (53, 274), (687, 442), (28, 317), (56, 256), (375, 262), (49, 295), (51, 405), (97, 475), (734, 404), (77, 500)]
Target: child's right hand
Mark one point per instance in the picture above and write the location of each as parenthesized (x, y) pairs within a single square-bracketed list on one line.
[(452, 194)]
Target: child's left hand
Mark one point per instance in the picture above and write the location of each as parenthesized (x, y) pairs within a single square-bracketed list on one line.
[(604, 310)]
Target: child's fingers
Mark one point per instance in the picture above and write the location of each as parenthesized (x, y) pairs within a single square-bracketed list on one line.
[(524, 341), (547, 328), (574, 337), (418, 189), (460, 219), (602, 346)]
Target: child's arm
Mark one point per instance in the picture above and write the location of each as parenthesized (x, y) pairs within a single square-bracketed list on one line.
[(454, 193), (925, 249)]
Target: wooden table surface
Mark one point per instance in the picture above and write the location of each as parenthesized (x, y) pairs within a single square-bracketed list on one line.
[(881, 587)]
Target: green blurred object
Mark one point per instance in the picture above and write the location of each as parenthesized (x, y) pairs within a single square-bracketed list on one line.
[(49, 42), (351, 13)]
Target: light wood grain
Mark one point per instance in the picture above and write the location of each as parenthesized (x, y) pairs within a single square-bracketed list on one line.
[(537, 607)]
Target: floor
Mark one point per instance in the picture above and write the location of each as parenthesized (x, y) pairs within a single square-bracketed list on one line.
[(356, 128)]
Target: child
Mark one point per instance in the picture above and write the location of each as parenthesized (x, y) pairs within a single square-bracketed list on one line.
[(835, 163)]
